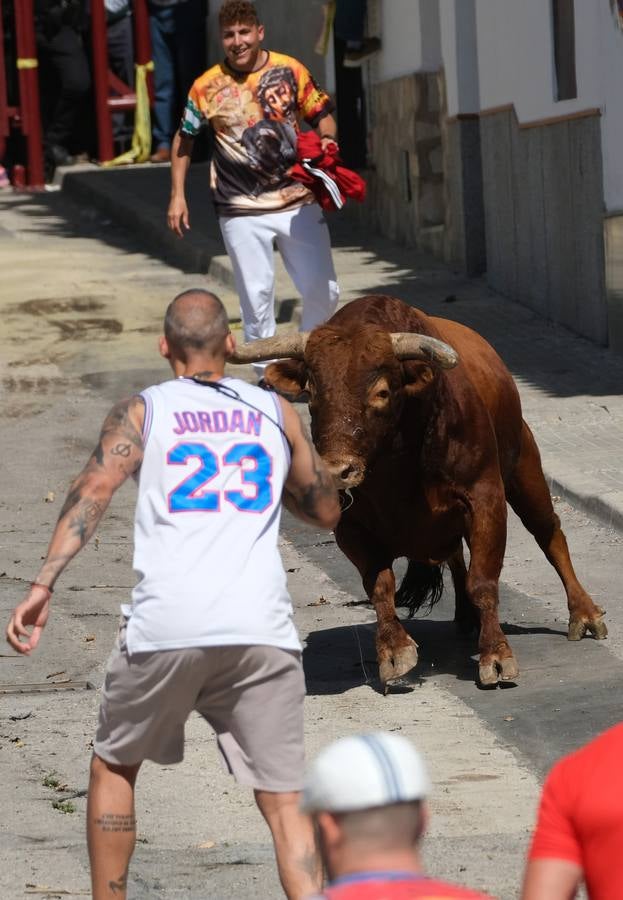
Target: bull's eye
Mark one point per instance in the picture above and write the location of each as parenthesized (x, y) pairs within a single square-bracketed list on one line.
[(383, 394)]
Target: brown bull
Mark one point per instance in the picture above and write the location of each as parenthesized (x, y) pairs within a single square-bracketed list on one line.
[(429, 451)]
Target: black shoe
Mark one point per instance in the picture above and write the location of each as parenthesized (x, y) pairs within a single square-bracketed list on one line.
[(357, 56), (60, 155)]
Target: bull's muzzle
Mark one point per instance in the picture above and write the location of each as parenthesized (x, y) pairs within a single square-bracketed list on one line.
[(347, 472)]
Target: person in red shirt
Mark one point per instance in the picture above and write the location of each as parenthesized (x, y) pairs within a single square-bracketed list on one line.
[(579, 831), (367, 797)]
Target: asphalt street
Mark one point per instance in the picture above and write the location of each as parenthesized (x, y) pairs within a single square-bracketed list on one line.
[(82, 301)]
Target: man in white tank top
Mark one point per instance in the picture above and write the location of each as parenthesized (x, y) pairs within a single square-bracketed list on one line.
[(210, 623)]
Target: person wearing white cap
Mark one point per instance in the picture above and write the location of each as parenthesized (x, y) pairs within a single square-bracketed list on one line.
[(367, 796)]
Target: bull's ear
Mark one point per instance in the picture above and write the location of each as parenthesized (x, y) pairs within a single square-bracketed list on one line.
[(418, 377), (288, 377)]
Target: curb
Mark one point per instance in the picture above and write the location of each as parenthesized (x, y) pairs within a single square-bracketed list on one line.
[(593, 505), (206, 257)]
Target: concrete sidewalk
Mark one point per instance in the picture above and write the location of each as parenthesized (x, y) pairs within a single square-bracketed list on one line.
[(571, 390)]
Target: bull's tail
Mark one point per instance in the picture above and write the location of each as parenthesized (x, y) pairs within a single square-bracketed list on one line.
[(421, 587)]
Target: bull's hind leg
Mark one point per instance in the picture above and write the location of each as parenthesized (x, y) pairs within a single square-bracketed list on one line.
[(486, 537), (465, 614), (396, 651), (529, 496)]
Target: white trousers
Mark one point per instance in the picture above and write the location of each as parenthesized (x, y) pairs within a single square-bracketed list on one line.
[(303, 240)]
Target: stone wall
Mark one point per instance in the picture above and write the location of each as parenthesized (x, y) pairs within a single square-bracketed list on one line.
[(406, 152), (405, 182)]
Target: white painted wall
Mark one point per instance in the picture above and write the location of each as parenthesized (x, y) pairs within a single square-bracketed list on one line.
[(459, 52), (409, 31), (610, 50), (516, 57), (497, 52)]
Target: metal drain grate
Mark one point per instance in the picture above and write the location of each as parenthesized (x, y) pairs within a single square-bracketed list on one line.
[(46, 687)]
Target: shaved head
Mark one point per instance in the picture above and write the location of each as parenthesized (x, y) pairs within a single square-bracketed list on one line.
[(397, 825), (196, 322)]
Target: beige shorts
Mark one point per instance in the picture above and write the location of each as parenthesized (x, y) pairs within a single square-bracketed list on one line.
[(251, 696)]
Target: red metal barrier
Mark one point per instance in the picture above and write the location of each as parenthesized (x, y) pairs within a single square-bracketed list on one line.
[(111, 94), (27, 116), (5, 112)]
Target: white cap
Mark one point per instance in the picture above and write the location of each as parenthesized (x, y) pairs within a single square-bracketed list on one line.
[(365, 770)]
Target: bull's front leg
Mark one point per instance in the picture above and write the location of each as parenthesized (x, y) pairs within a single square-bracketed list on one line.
[(396, 651), (487, 544)]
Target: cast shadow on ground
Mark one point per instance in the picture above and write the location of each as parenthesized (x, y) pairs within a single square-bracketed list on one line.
[(339, 659)]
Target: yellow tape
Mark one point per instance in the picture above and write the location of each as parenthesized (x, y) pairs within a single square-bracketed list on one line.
[(328, 15), (25, 63), (141, 139)]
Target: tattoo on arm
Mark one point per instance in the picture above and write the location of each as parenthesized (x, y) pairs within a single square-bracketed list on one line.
[(118, 454), (86, 516), (309, 498), (118, 421), (121, 450)]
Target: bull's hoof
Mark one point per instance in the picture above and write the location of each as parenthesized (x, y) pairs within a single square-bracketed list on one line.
[(578, 628), (509, 670), (494, 672), (598, 629), (488, 675), (393, 669), (404, 684)]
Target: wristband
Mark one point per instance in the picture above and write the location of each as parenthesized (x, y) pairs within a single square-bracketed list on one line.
[(37, 584)]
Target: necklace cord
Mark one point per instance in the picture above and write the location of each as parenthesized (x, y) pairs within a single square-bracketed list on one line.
[(234, 395)]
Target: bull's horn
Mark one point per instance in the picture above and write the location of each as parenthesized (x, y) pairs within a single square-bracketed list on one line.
[(281, 346), (408, 345)]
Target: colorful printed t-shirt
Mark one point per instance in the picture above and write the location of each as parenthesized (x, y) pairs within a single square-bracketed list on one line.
[(395, 886), (256, 118)]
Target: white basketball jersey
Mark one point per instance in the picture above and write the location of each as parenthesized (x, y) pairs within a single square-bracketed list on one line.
[(207, 520)]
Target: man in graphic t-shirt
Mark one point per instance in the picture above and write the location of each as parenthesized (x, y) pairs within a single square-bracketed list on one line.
[(255, 101), (367, 795)]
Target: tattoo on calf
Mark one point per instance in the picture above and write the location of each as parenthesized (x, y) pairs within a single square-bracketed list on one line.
[(115, 822), (119, 885), (309, 862)]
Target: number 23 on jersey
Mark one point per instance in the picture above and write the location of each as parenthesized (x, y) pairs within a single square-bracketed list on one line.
[(193, 494)]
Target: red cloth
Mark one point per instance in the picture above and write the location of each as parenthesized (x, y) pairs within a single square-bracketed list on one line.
[(349, 183), (581, 814)]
